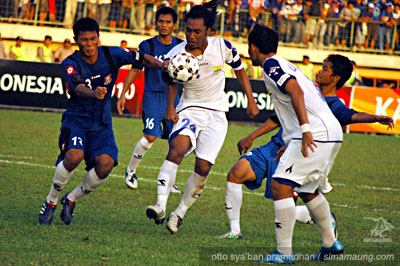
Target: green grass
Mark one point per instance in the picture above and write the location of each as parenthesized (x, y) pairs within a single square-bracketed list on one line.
[(110, 226)]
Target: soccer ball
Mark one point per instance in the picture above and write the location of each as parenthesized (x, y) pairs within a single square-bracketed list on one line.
[(183, 67)]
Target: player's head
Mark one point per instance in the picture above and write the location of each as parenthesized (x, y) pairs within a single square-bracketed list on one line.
[(336, 69), (86, 36), (166, 19), (199, 22), (124, 44), (262, 40), (47, 40)]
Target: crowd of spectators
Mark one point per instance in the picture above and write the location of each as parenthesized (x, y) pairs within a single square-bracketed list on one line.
[(354, 24)]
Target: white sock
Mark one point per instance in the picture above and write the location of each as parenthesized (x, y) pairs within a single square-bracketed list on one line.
[(302, 214), (285, 217), (320, 212), (166, 179), (141, 148), (233, 203), (193, 189), (61, 177), (89, 183)]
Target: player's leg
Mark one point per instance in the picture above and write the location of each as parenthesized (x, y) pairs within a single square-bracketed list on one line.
[(71, 144), (178, 148), (239, 173), (213, 127), (101, 156)]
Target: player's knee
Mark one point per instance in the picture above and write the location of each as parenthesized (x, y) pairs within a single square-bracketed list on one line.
[(233, 177), (150, 140), (176, 156), (72, 159), (202, 169), (103, 166)]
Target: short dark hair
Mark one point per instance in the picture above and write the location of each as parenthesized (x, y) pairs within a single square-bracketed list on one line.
[(165, 11), (85, 24), (264, 38), (48, 37), (203, 12), (341, 66)]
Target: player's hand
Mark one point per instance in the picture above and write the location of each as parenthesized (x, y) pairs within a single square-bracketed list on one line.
[(252, 110), (165, 66), (121, 104), (101, 92), (244, 144), (386, 120), (280, 152), (308, 142), (171, 115)]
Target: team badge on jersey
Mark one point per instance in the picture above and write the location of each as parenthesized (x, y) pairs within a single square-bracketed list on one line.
[(217, 68), (70, 70), (107, 80)]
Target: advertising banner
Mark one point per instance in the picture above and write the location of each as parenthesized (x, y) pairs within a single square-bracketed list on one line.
[(377, 101)]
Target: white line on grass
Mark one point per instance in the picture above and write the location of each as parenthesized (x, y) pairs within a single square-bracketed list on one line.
[(209, 187)]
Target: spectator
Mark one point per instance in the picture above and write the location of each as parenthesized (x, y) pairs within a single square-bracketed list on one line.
[(43, 10), (20, 8), (64, 51), (44, 52), (373, 25), (355, 78), (386, 28), (321, 24), (92, 8), (125, 13), (232, 21), (115, 13), (256, 9), (2, 51), (346, 17), (333, 27), (366, 18), (150, 6), (396, 17), (104, 7), (52, 10), (80, 8), (31, 7), (124, 44), (137, 18), (19, 51), (276, 7), (307, 67), (314, 13), (300, 27), (359, 29), (306, 17), (291, 20)]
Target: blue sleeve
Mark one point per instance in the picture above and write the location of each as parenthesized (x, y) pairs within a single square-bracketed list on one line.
[(124, 57), (273, 69), (72, 76), (342, 113), (236, 62)]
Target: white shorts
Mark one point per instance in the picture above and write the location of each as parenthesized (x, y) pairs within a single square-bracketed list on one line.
[(307, 173), (206, 129)]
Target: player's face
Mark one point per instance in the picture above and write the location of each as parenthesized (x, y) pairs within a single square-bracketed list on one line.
[(196, 33), (87, 41), (325, 75), (253, 55), (165, 24)]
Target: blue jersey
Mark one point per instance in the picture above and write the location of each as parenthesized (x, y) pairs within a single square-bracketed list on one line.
[(101, 73), (342, 113), (152, 77)]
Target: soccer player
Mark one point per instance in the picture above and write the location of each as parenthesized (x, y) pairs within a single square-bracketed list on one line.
[(200, 123), (86, 130), (303, 165), (260, 162), (154, 97)]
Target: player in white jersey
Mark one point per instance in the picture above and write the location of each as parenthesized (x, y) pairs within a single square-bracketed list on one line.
[(200, 121), (308, 125)]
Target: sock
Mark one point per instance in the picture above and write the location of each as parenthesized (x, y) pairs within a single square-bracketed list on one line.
[(141, 148), (193, 189), (303, 215), (166, 179), (61, 177), (233, 203), (285, 217), (320, 212), (89, 183)]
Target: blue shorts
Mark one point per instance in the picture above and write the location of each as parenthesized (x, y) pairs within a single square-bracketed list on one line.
[(154, 107), (93, 141), (262, 162)]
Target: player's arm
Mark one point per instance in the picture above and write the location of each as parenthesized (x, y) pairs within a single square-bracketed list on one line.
[(82, 91), (127, 84), (297, 96), (245, 143), (149, 61), (170, 113), (369, 118), (252, 109)]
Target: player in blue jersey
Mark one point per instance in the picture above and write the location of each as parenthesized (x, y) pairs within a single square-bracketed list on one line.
[(261, 162), (86, 130), (154, 97)]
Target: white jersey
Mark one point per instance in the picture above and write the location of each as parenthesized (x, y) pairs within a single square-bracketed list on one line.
[(207, 89), (323, 124)]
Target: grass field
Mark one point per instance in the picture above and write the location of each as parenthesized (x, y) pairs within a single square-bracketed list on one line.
[(110, 226)]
